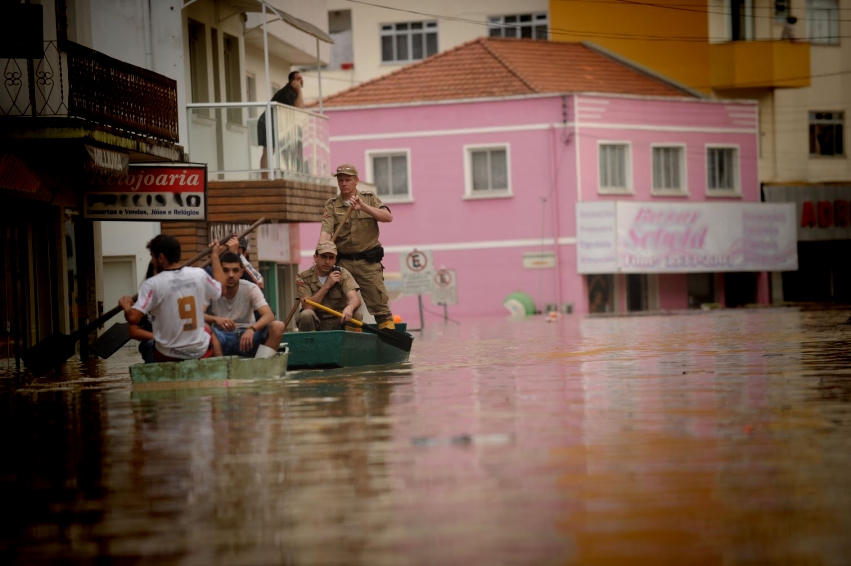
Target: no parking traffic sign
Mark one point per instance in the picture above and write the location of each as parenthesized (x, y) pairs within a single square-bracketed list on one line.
[(417, 272), (445, 288)]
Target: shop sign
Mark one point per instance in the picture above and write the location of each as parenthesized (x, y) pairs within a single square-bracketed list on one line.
[(823, 211), (106, 160), (651, 237), (158, 193)]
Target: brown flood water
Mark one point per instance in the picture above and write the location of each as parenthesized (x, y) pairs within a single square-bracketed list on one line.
[(705, 438)]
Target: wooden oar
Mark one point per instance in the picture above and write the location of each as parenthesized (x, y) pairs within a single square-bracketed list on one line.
[(340, 227), (58, 347), (287, 322), (389, 337), (292, 312)]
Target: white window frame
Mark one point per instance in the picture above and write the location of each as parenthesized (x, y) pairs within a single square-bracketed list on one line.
[(737, 175), (497, 23), (429, 26), (682, 190), (469, 193), (628, 189), (831, 9), (370, 173)]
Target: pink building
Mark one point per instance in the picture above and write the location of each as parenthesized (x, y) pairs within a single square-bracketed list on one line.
[(559, 171)]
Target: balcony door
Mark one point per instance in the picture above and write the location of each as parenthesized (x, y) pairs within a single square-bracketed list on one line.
[(740, 20)]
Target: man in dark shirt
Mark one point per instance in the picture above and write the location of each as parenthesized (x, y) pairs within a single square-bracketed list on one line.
[(291, 95)]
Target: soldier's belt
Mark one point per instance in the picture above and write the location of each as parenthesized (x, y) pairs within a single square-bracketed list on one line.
[(374, 255)]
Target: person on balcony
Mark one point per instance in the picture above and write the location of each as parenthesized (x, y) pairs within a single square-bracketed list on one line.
[(291, 95), (360, 252), (330, 286), (788, 32)]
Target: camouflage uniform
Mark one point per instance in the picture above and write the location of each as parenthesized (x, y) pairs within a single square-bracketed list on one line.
[(359, 235)]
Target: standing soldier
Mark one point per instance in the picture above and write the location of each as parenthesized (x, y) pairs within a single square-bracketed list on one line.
[(358, 248)]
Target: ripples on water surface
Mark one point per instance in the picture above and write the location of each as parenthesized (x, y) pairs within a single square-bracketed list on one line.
[(708, 438)]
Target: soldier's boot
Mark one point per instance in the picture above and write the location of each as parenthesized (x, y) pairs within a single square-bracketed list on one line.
[(386, 324)]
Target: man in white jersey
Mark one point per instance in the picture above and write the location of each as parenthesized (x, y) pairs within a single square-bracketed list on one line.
[(232, 316), (174, 299)]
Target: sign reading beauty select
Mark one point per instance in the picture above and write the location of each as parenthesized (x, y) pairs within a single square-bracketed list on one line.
[(158, 193), (666, 237)]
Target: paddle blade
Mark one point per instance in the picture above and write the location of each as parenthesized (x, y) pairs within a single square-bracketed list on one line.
[(110, 341), (49, 353), (391, 337)]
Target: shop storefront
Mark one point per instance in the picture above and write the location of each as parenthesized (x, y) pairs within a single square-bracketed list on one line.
[(661, 255), (823, 221)]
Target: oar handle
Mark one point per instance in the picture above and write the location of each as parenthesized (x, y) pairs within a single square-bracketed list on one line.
[(331, 311), (292, 312), (340, 227)]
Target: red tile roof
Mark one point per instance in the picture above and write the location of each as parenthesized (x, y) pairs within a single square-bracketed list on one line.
[(491, 67)]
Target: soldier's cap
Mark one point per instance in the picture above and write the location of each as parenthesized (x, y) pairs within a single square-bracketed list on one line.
[(326, 248), (347, 169)]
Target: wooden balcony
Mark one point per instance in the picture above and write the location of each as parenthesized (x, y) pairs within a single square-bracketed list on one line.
[(75, 92)]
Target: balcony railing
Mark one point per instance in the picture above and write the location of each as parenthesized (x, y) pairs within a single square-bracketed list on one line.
[(225, 137), (75, 81)]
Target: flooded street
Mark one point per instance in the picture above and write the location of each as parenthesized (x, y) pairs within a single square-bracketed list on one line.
[(704, 438)]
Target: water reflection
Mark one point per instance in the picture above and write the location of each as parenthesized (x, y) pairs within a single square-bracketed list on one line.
[(705, 438)]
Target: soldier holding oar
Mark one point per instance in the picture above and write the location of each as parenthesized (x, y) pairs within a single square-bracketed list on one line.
[(358, 248)]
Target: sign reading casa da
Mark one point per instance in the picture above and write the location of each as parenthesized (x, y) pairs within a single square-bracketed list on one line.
[(151, 193)]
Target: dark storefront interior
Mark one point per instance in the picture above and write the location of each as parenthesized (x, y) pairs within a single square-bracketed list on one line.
[(824, 273)]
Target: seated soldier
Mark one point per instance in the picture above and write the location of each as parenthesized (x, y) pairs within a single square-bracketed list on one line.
[(330, 286), (232, 316)]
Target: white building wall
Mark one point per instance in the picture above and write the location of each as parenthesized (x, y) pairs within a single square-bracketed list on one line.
[(468, 21), (784, 112)]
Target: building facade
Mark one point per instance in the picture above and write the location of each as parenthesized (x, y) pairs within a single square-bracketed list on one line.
[(493, 185), (790, 56), (103, 86), (374, 40)]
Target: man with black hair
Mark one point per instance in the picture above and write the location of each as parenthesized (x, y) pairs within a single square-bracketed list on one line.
[(233, 319), (175, 298), (291, 95)]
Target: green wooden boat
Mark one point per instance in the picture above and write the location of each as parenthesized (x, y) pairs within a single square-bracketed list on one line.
[(212, 369), (341, 349)]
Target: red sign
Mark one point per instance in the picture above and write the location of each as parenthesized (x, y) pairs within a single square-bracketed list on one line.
[(157, 193), (825, 214)]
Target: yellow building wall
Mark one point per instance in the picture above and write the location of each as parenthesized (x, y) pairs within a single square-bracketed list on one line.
[(669, 37)]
